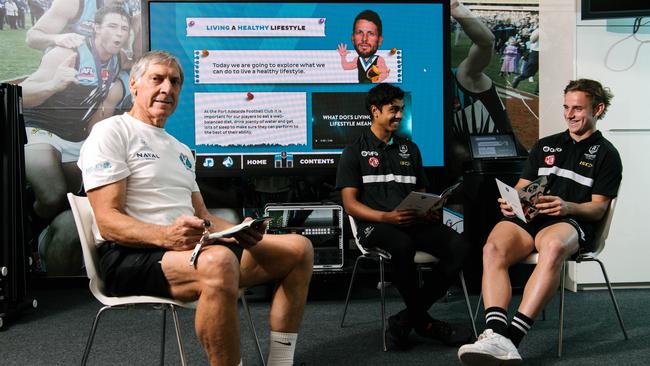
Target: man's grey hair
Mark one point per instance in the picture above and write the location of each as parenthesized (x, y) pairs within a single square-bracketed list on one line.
[(154, 57)]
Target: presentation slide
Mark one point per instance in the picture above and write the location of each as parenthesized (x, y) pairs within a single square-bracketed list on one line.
[(273, 85)]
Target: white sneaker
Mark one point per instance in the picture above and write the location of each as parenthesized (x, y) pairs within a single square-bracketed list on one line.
[(490, 349)]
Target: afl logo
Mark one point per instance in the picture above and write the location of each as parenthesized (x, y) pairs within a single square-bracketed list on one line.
[(374, 162), (549, 160)]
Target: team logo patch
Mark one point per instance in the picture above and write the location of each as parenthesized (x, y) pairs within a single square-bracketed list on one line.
[(594, 149), (549, 160), (403, 149), (86, 72), (373, 161), (186, 161)]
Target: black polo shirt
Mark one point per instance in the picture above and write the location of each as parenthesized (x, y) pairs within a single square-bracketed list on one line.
[(576, 169), (384, 173)]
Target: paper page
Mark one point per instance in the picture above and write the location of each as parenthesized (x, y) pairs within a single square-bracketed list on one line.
[(419, 201), (529, 195), (230, 231), (511, 196)]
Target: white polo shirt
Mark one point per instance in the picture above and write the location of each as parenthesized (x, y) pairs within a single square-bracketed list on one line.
[(158, 168)]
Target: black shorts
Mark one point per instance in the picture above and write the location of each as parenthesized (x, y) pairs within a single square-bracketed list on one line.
[(137, 271), (585, 230)]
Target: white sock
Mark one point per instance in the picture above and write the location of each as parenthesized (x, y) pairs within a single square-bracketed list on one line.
[(282, 348)]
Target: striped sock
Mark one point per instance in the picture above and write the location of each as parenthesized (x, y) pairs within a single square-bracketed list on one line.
[(496, 318), (519, 327)]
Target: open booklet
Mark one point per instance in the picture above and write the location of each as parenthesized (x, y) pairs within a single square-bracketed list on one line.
[(237, 228), (226, 234), (423, 202), (523, 201)]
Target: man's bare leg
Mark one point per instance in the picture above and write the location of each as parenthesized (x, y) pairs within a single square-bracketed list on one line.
[(555, 244), (289, 259), (507, 244), (214, 282)]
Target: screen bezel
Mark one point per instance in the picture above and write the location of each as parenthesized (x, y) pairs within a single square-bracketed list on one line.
[(588, 14), (446, 90), (475, 154)]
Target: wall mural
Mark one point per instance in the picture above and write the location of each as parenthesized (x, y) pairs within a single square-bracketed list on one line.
[(72, 59), (494, 58)]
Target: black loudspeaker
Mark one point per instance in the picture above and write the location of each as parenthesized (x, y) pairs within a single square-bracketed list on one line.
[(15, 259)]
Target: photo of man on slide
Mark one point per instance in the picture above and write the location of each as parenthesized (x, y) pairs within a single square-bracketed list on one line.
[(366, 38)]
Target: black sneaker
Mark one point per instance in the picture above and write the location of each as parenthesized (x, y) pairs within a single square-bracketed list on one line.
[(449, 334), (398, 331)]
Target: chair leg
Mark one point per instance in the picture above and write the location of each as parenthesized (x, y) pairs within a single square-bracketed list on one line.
[(478, 305), (162, 338), (179, 340), (251, 326), (562, 279), (91, 336), (469, 306), (611, 294), (383, 303), (347, 298)]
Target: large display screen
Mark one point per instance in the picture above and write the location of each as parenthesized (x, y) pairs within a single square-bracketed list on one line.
[(603, 9), (280, 86)]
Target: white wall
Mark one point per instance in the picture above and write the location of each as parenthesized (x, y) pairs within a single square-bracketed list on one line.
[(575, 48), (556, 59)]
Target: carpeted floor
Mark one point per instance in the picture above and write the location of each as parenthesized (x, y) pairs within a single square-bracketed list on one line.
[(56, 332)]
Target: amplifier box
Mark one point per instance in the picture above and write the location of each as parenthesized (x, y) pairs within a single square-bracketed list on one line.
[(322, 224)]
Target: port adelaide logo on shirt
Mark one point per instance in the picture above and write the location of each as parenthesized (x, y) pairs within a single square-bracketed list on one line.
[(404, 152), (591, 155)]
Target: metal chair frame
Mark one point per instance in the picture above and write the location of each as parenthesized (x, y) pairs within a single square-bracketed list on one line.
[(83, 216), (600, 237), (422, 260)]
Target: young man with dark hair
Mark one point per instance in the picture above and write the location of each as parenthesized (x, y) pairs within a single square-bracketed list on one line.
[(584, 172), (375, 174)]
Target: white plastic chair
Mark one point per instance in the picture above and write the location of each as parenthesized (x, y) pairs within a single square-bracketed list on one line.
[(600, 237), (83, 217), (421, 259)]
